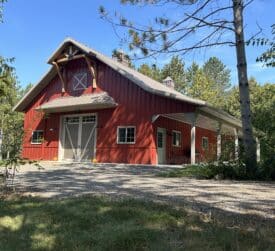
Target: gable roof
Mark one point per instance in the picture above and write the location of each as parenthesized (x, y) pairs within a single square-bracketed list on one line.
[(136, 77)]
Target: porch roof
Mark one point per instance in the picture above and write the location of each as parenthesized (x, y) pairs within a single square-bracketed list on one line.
[(208, 118), (66, 104)]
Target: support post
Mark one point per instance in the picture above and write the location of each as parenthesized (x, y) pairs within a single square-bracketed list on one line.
[(92, 71), (193, 139), (60, 76), (258, 149), (236, 144), (219, 142)]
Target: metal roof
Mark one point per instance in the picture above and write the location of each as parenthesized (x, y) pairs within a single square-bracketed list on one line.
[(136, 77), (89, 101)]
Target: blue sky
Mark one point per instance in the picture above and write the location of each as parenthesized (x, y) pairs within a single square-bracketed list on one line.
[(33, 29)]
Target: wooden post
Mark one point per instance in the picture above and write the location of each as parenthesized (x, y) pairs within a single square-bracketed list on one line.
[(219, 142), (92, 71), (193, 139), (60, 76), (236, 144), (258, 151)]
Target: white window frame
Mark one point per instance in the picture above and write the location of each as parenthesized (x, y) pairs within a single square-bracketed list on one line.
[(202, 146), (178, 132), (125, 127), (37, 143)]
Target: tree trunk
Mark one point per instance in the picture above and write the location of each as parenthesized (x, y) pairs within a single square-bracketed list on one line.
[(248, 140)]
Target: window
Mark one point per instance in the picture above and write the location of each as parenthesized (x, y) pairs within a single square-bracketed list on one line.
[(37, 137), (176, 141), (204, 143), (160, 140), (88, 119), (72, 120), (126, 135)]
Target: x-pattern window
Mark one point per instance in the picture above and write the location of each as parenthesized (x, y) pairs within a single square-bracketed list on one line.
[(80, 81)]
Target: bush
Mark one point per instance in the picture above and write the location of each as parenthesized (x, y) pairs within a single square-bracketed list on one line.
[(226, 170)]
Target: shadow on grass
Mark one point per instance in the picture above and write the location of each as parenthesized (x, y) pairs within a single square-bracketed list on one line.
[(101, 223)]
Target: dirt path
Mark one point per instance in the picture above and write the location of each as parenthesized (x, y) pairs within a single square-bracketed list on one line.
[(250, 198)]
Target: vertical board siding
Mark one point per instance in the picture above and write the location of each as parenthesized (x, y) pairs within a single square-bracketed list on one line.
[(181, 154), (136, 107)]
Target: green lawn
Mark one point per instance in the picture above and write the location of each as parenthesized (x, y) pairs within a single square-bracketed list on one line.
[(97, 223)]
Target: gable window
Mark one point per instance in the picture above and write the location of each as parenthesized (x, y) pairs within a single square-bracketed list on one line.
[(80, 81), (37, 137), (204, 143), (126, 135), (176, 138)]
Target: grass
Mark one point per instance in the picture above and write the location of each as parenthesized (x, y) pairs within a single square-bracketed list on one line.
[(195, 171), (99, 223)]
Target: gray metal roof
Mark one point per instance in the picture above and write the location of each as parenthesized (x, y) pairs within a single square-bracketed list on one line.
[(136, 77), (90, 101)]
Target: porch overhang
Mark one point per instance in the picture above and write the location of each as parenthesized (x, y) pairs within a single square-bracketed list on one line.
[(85, 102), (207, 117)]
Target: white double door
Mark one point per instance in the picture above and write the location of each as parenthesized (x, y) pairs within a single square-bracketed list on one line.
[(79, 137)]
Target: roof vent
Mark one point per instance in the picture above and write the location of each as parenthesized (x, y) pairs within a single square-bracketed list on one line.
[(169, 82), (121, 57)]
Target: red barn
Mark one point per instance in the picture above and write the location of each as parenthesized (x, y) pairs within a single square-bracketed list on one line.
[(89, 106)]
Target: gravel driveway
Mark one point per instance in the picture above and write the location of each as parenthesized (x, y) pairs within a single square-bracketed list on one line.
[(250, 198)]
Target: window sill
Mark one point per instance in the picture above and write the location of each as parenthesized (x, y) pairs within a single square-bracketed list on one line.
[(126, 143)]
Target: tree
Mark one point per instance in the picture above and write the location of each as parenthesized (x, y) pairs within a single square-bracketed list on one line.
[(219, 77), (191, 73), (268, 57), (1, 9), (122, 57), (175, 70), (263, 116), (201, 87), (209, 18), (11, 123), (151, 71)]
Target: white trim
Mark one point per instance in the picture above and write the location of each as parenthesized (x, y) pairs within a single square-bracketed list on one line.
[(173, 138), (162, 130), (125, 143), (219, 142), (37, 143), (258, 149), (62, 133), (60, 139), (236, 141), (203, 138), (79, 139)]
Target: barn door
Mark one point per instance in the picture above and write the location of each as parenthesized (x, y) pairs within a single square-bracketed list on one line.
[(79, 137), (71, 130), (87, 145)]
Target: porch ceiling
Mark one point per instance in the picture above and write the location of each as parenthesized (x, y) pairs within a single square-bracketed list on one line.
[(206, 121), (66, 104)]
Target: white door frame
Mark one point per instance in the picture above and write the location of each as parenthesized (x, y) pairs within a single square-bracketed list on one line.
[(61, 140), (163, 130)]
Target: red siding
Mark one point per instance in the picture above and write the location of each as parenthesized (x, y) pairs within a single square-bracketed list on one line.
[(136, 107), (179, 155)]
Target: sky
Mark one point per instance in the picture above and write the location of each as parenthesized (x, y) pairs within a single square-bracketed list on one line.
[(33, 29)]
